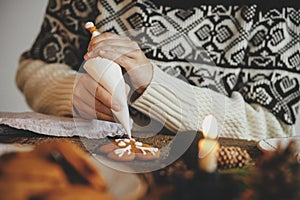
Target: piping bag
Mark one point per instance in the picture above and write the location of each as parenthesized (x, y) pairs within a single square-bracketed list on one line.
[(109, 75)]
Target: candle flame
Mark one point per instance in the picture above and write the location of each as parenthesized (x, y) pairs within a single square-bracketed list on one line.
[(210, 127)]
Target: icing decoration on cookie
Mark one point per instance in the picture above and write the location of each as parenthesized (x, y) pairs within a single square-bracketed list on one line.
[(120, 152), (129, 149)]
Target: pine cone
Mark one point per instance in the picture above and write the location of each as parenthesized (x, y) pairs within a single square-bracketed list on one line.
[(232, 157)]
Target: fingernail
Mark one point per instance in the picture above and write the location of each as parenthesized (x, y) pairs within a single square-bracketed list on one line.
[(89, 54), (102, 52), (116, 107)]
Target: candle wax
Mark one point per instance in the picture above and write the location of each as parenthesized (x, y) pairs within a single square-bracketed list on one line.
[(208, 152)]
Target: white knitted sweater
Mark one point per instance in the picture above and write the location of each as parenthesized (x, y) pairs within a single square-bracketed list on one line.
[(179, 105), (48, 88)]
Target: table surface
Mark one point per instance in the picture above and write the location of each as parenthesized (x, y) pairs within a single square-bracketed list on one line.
[(11, 135)]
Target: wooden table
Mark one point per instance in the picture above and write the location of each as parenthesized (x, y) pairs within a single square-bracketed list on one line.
[(154, 179)]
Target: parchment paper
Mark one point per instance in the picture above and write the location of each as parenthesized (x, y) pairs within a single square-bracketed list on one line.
[(60, 126)]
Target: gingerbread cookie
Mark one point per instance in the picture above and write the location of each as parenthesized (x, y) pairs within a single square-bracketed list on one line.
[(76, 159), (22, 166), (128, 150), (58, 170)]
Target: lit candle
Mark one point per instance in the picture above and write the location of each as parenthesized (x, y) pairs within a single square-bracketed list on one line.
[(208, 147)]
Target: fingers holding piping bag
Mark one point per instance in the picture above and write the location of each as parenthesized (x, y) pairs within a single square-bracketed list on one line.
[(105, 37), (91, 100), (125, 53)]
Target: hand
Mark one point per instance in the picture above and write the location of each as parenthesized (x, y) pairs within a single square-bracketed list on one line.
[(92, 101), (127, 54)]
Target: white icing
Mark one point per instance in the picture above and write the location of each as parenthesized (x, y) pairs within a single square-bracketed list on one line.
[(120, 152), (127, 140), (138, 144), (109, 75), (144, 150), (121, 144)]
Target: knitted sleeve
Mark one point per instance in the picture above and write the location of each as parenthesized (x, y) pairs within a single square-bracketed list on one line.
[(48, 88), (253, 85), (46, 72), (185, 110)]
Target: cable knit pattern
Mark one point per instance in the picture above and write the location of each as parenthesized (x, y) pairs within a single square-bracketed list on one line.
[(179, 112), (48, 88)]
